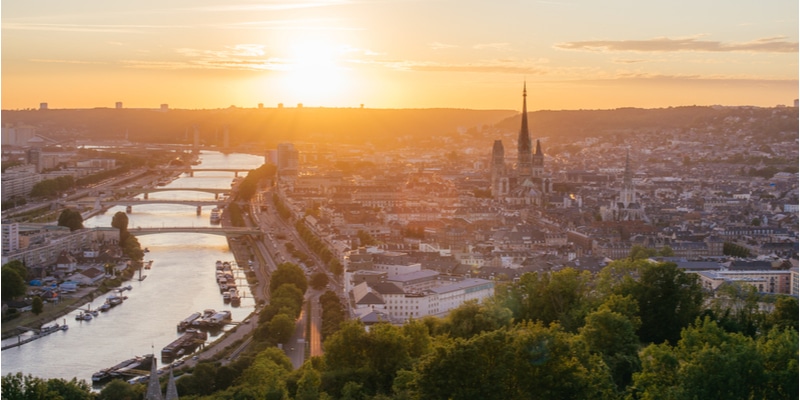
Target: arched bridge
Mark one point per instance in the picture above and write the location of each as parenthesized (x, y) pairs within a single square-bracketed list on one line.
[(191, 171), (135, 202), (211, 230), (216, 192)]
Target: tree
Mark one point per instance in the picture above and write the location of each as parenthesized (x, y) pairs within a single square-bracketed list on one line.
[(613, 336), (120, 221), (71, 219), (281, 328), (319, 280), (37, 306), (666, 251), (706, 363), (120, 390), (308, 385), (639, 252), (18, 386), (288, 273), (470, 319), (132, 249), (668, 299), (18, 266), (12, 284)]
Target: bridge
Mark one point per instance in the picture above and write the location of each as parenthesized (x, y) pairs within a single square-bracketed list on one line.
[(216, 192), (211, 230), (129, 203), (191, 171)]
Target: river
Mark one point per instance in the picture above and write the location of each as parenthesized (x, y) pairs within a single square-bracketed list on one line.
[(181, 281)]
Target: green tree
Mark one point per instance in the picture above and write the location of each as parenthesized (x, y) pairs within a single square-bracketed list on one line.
[(18, 266), (563, 296), (613, 337), (288, 273), (308, 385), (639, 252), (120, 390), (785, 314), (319, 280), (37, 306), (778, 350), (71, 219), (120, 221), (470, 319), (12, 284), (18, 386), (668, 299), (281, 328), (132, 249), (666, 251), (706, 363)]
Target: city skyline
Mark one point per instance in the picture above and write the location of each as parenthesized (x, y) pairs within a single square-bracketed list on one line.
[(399, 54)]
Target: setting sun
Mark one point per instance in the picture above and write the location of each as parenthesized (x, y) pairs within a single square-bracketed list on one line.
[(312, 72)]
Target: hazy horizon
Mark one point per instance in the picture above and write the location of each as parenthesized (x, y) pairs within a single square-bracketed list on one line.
[(398, 54)]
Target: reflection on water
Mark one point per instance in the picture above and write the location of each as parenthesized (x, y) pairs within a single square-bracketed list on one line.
[(182, 281)]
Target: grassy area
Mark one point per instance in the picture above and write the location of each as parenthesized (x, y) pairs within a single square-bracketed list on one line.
[(51, 311)]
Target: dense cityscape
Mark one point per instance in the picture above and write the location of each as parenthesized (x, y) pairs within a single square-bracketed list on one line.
[(590, 248)]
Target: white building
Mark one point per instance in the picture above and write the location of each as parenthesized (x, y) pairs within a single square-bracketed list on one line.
[(437, 301)]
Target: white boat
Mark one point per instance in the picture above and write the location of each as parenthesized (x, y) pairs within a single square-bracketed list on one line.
[(215, 215)]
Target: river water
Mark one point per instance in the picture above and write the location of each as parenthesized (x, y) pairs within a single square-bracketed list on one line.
[(181, 282)]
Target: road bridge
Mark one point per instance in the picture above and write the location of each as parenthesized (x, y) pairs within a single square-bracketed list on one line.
[(210, 230), (192, 170), (129, 203), (146, 191)]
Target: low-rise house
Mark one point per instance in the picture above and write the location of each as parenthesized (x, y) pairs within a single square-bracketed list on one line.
[(89, 276)]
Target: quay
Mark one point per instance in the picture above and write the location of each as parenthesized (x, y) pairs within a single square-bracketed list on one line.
[(42, 333)]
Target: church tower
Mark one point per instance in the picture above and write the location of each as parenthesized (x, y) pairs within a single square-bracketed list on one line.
[(538, 161), (627, 195), (524, 155), (500, 185)]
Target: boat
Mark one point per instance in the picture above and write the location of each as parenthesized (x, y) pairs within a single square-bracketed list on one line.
[(187, 322), (83, 316), (149, 265), (219, 265), (186, 342), (235, 299), (132, 367), (215, 215), (114, 300), (146, 250), (105, 307), (226, 297)]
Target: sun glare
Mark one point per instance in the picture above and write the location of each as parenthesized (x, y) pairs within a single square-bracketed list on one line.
[(313, 72)]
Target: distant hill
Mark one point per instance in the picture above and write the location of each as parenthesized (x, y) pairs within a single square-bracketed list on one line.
[(578, 124), (385, 127), (268, 125)]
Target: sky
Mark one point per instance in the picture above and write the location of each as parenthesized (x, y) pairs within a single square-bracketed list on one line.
[(571, 54)]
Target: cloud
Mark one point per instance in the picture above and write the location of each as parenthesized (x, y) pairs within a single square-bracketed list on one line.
[(42, 60), (493, 66), (440, 46), (628, 61), (493, 46), (776, 44), (76, 28), (270, 6), (249, 57)]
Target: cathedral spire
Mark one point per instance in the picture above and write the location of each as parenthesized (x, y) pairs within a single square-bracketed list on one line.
[(627, 178), (524, 163), (153, 386)]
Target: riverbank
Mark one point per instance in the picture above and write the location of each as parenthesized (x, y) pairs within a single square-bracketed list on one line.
[(51, 311)]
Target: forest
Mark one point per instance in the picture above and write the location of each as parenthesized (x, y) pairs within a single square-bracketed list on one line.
[(635, 330)]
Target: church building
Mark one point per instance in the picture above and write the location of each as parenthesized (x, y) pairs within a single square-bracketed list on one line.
[(526, 183)]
